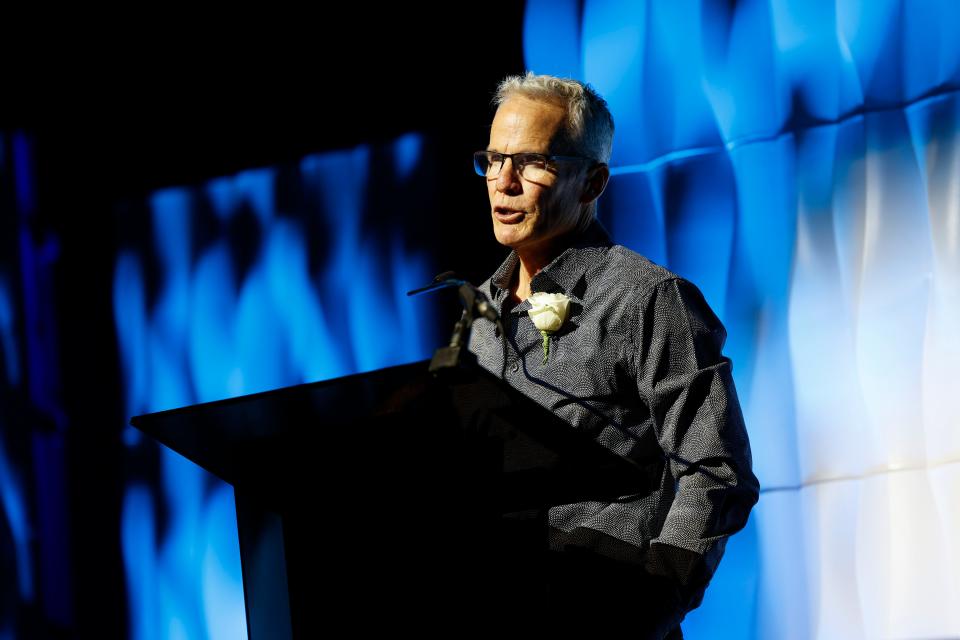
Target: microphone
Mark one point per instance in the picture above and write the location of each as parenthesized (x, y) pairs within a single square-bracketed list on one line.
[(474, 301), (475, 304), (441, 281)]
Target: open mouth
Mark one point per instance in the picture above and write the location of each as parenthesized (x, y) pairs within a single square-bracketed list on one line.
[(508, 216)]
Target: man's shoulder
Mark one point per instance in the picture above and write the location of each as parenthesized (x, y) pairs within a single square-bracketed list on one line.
[(642, 283), (629, 272)]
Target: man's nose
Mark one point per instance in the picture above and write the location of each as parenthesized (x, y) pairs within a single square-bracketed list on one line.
[(508, 180)]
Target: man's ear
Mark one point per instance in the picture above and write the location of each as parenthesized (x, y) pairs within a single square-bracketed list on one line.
[(597, 180)]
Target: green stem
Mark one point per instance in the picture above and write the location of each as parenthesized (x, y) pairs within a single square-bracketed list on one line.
[(546, 345)]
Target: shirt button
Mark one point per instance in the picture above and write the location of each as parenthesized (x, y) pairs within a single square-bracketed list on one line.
[(515, 367)]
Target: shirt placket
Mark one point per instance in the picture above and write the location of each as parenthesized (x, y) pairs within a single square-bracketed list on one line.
[(519, 333)]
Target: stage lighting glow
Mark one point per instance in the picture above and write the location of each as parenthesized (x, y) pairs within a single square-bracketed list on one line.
[(801, 162)]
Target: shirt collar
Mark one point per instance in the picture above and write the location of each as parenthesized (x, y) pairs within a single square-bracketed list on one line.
[(564, 272)]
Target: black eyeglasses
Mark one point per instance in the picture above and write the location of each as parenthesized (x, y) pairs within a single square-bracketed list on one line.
[(535, 167)]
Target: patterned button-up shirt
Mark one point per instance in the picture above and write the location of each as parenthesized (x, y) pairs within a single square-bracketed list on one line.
[(637, 364)]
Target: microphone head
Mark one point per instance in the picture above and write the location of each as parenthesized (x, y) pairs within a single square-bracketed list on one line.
[(446, 275), (442, 280)]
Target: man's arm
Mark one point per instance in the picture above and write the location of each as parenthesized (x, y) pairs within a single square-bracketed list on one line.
[(689, 388)]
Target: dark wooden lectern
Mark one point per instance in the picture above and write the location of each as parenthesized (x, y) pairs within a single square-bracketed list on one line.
[(392, 500)]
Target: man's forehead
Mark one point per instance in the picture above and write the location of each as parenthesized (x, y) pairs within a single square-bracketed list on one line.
[(521, 122), (529, 111)]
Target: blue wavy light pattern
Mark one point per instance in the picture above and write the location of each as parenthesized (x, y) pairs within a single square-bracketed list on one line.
[(225, 300), (800, 161)]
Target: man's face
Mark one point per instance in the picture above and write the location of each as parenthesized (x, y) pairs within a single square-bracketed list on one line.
[(528, 215)]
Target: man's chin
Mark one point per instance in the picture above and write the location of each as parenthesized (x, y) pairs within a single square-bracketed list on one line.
[(509, 235)]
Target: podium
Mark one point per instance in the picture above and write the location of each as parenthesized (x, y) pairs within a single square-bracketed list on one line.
[(393, 500)]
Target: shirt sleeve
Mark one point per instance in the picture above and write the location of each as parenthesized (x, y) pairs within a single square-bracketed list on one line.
[(688, 386)]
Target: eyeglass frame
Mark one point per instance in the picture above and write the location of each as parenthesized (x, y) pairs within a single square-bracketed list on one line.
[(548, 158)]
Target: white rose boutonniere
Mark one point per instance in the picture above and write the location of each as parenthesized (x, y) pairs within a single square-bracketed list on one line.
[(548, 312)]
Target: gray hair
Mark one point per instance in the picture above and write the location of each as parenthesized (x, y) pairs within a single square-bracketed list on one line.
[(588, 130)]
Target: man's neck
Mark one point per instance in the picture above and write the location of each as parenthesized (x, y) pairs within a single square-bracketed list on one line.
[(520, 287), (531, 262)]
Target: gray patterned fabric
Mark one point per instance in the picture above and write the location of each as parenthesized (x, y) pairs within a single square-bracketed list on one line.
[(638, 364)]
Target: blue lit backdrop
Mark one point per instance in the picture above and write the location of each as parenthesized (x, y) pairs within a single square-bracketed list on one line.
[(35, 558), (268, 278), (800, 161)]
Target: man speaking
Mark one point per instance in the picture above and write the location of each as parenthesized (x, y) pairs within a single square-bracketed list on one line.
[(619, 347)]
